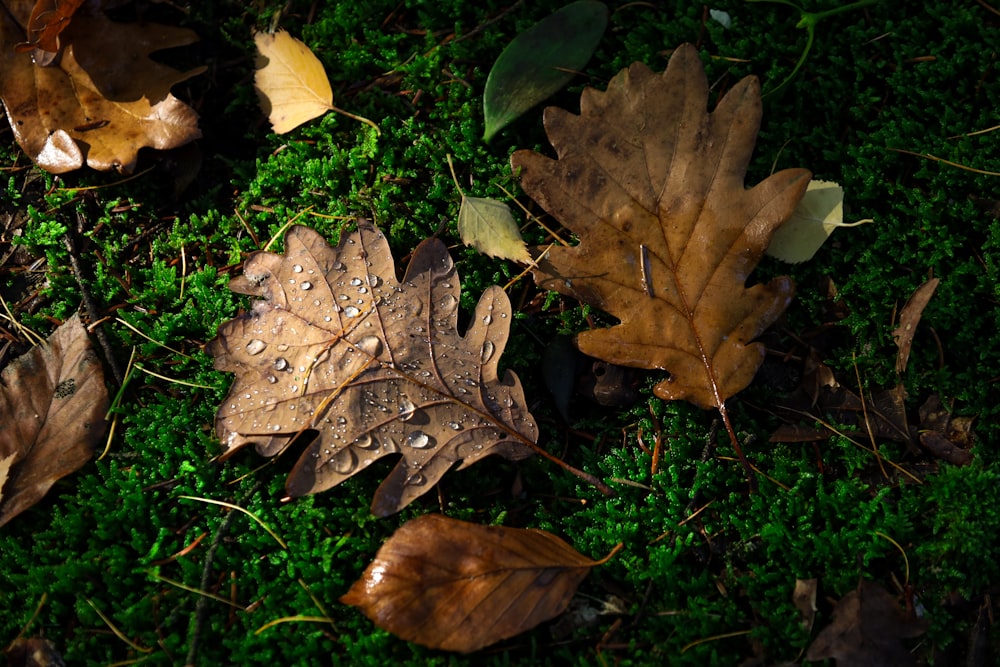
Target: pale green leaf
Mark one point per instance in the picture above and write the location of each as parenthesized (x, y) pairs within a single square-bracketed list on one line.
[(540, 61), (488, 226), (820, 211)]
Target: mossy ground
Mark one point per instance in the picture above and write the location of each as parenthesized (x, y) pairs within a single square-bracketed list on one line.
[(715, 589)]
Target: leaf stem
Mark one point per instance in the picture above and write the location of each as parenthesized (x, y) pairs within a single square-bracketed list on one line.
[(736, 446)]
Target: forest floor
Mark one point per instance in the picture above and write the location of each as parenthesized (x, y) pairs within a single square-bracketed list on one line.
[(895, 101)]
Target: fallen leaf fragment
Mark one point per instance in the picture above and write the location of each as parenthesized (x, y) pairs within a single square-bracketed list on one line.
[(290, 81), (653, 186), (947, 437), (867, 629), (48, 19), (460, 586), (817, 215), (804, 599), (33, 652), (540, 61), (488, 226), (52, 406), (96, 104), (375, 364), (909, 317)]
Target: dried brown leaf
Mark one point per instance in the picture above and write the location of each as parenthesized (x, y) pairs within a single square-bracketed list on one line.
[(804, 599), (103, 98), (52, 405), (866, 630), (909, 317), (376, 365), (460, 586), (652, 184)]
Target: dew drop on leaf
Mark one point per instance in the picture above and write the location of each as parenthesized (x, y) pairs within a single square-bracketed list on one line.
[(307, 285), (280, 364), (366, 441), (351, 311), (454, 426), (406, 409), (297, 268), (355, 281), (418, 440), (255, 346), (370, 345), (488, 348), (344, 461), (487, 319)]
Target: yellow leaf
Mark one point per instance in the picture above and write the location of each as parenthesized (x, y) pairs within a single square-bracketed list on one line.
[(820, 211), (290, 81), (488, 226)]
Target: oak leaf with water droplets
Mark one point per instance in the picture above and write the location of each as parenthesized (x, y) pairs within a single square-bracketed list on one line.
[(373, 363), (652, 185), (460, 586)]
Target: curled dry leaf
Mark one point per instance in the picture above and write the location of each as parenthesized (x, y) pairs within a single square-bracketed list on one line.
[(376, 365), (909, 317), (866, 630), (101, 100), (52, 405), (652, 185), (460, 586)]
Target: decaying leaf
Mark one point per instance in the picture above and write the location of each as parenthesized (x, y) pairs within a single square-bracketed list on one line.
[(376, 365), (52, 405), (866, 630), (48, 19), (944, 435), (652, 185), (540, 61), (290, 81), (33, 652), (804, 599), (909, 317), (101, 100), (488, 226), (460, 586), (820, 211)]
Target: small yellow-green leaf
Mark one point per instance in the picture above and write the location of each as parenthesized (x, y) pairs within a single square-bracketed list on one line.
[(820, 211), (540, 61), (290, 80), (488, 226)]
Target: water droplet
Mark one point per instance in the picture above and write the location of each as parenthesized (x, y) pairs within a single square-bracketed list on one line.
[(374, 281), (416, 307), (406, 409), (344, 461), (351, 311), (503, 315), (487, 319), (275, 427), (272, 380), (343, 297), (366, 441), (447, 302), (282, 347), (306, 285), (416, 479), (371, 345), (362, 290), (454, 426), (297, 269), (291, 281), (488, 348), (418, 440), (338, 266), (255, 346), (280, 364), (341, 420), (327, 318), (355, 281)]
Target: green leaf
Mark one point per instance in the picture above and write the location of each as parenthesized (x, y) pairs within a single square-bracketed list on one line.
[(540, 61), (488, 226), (820, 211)]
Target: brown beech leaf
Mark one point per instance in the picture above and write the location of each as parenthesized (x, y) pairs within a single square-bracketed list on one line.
[(101, 100), (460, 586), (866, 631), (652, 185), (52, 405), (374, 364)]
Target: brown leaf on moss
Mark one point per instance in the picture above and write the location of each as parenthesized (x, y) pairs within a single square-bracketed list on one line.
[(52, 405), (374, 364), (909, 317), (866, 630), (460, 586), (101, 99), (652, 184)]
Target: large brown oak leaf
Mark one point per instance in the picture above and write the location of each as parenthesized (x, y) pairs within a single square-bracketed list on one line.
[(101, 99), (652, 185), (374, 364)]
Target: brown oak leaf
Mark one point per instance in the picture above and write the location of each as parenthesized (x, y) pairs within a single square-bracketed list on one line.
[(460, 586), (652, 185), (52, 405), (101, 99), (374, 364), (866, 630)]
